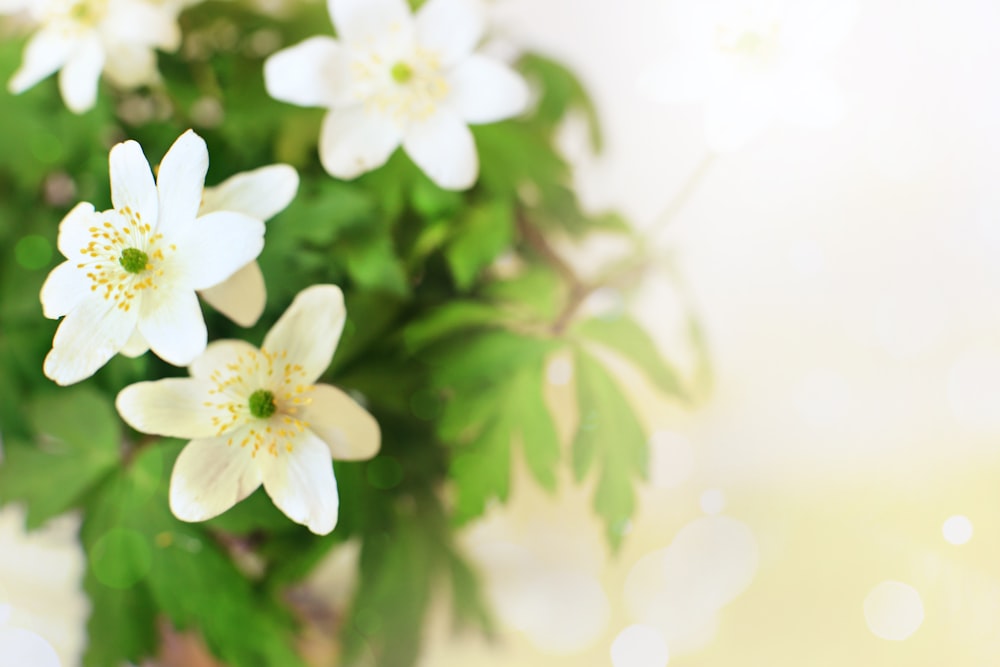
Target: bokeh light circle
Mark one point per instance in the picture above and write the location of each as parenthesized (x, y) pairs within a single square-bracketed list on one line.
[(639, 646), (893, 610)]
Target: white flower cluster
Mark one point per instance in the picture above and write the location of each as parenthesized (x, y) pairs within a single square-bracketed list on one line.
[(132, 274), (129, 284)]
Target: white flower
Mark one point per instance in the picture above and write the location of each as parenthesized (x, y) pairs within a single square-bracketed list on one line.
[(131, 273), (394, 79), (82, 38), (22, 647), (257, 416), (40, 591), (261, 194), (752, 62)]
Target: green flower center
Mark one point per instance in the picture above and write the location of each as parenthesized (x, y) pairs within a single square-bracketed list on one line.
[(401, 72), (262, 404), (134, 260)]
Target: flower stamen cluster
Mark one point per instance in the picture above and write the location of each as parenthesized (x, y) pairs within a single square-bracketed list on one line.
[(122, 256), (264, 392)]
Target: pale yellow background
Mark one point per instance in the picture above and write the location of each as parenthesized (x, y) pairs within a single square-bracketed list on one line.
[(849, 280)]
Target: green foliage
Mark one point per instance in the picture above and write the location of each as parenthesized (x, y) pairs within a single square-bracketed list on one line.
[(611, 439), (445, 345)]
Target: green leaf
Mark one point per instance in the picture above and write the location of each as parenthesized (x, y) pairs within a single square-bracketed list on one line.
[(610, 438), (78, 445), (483, 471), (535, 425), (535, 293), (626, 337), (484, 233), (448, 319), (138, 551), (561, 92), (373, 264)]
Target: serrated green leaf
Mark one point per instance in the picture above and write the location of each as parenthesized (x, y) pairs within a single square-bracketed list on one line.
[(535, 425), (482, 472), (627, 338), (610, 438)]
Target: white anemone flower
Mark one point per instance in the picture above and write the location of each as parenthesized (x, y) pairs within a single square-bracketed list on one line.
[(257, 416), (753, 62), (131, 273), (83, 38), (22, 647), (261, 194), (393, 78)]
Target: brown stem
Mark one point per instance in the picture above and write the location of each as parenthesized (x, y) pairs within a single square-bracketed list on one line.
[(626, 273)]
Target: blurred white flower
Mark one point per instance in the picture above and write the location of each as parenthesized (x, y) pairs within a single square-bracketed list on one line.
[(130, 273), (394, 78), (23, 647), (82, 38), (43, 609), (256, 416), (752, 62)]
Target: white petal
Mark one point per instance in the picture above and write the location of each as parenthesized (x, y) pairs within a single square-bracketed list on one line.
[(87, 338), (174, 407), (23, 648), (450, 28), (736, 115), (484, 90), (136, 346), (63, 290), (132, 181), (180, 182), (313, 73), (172, 324), (361, 20), (145, 23), (812, 101), (813, 29), (46, 52), (350, 432), (353, 141), (215, 247), (677, 81), (261, 193), (79, 76), (444, 148), (210, 477), (74, 229), (130, 65), (241, 297), (301, 483), (218, 355), (310, 329)]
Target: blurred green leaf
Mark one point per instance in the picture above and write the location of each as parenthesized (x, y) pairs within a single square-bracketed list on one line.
[(610, 438), (627, 338), (78, 445), (483, 233), (561, 92)]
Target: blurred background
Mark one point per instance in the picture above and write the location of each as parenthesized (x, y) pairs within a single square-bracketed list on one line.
[(834, 499)]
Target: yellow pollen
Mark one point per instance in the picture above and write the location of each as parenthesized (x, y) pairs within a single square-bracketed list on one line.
[(244, 392)]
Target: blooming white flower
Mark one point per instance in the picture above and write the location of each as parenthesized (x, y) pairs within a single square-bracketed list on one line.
[(394, 78), (131, 272), (41, 595), (21, 647), (752, 62), (261, 194), (82, 38), (258, 416)]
